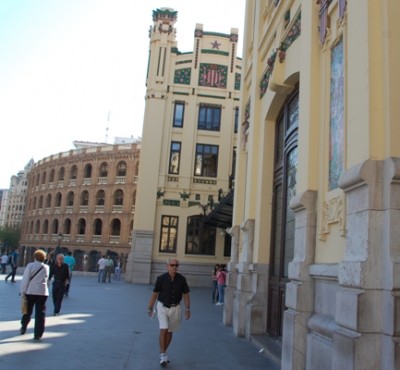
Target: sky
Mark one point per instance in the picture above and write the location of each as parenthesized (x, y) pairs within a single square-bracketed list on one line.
[(76, 69)]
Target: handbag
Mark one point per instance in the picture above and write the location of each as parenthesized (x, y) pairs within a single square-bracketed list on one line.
[(24, 299)]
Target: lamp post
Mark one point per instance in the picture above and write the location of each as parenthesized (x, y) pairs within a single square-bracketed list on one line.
[(59, 238)]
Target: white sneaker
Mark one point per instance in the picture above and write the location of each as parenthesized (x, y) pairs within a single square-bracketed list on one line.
[(219, 304), (163, 359)]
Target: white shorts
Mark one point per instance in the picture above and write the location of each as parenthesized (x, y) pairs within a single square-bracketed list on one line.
[(169, 318)]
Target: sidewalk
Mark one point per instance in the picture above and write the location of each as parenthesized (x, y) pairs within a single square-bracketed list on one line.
[(105, 326)]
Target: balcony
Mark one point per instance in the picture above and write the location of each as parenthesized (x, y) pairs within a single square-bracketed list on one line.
[(83, 209), (102, 180), (73, 182), (99, 209), (116, 209), (87, 181), (69, 209), (114, 239), (57, 210), (80, 238), (133, 209), (96, 239), (120, 179), (60, 184)]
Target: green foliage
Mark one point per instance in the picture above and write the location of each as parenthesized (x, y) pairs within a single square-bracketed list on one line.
[(9, 236)]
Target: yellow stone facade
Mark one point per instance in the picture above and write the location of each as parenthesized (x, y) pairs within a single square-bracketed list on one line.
[(315, 254), (188, 149)]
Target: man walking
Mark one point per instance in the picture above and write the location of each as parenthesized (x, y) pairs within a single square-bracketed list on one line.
[(168, 291), (70, 261), (13, 261), (60, 272)]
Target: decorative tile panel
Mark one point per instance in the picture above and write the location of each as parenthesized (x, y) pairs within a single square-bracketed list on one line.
[(213, 75), (182, 76)]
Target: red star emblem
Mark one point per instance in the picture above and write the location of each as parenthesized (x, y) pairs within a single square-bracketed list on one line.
[(215, 45)]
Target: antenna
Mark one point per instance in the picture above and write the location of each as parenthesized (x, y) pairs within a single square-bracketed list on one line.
[(108, 123)]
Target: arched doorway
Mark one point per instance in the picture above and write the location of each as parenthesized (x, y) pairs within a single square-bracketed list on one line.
[(283, 219)]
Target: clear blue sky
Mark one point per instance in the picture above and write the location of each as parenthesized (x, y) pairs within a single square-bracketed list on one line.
[(65, 64)]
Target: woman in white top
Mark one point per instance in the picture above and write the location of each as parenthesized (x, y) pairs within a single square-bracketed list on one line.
[(34, 285)]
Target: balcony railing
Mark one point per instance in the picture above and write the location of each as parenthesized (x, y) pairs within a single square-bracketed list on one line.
[(120, 179), (114, 239), (116, 209), (83, 209), (87, 181), (96, 239), (102, 180), (80, 238), (99, 209), (69, 209)]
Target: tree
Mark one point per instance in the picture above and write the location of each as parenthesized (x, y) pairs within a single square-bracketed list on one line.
[(9, 236)]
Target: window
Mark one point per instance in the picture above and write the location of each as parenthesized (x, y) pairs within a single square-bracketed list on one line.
[(209, 118), (116, 227), (200, 239), (52, 175), (179, 112), (175, 156), (206, 160), (121, 169), (98, 225), (70, 199), (100, 196), (88, 171), (169, 234), (236, 122), (48, 201), (73, 174), (84, 198), (118, 197), (103, 169), (61, 174), (81, 226)]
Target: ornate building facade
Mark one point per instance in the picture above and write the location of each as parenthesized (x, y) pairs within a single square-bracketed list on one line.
[(188, 152), (13, 200), (315, 241), (83, 201)]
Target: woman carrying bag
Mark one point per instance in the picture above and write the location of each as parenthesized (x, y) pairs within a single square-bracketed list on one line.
[(34, 287)]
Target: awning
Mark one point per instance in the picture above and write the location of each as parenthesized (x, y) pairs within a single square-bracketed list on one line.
[(221, 215)]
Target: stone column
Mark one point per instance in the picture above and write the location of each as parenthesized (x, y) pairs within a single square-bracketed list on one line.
[(368, 302), (138, 269), (300, 290), (231, 279)]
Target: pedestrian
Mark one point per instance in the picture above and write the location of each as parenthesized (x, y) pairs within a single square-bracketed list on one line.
[(101, 263), (221, 281), (109, 266), (117, 269), (4, 261), (168, 291), (59, 270), (34, 286), (70, 261), (214, 298), (13, 261), (49, 259)]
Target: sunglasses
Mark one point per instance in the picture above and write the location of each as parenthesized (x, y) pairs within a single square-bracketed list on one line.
[(174, 264)]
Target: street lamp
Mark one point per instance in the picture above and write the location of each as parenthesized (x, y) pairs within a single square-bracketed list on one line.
[(59, 238)]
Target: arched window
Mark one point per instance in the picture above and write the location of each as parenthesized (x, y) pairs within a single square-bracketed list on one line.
[(115, 227), (44, 175), (81, 226), (31, 228), (100, 197), (38, 179), (103, 172), (121, 168), (41, 202), (118, 197), (67, 226), (87, 172), (34, 203), (52, 175), (54, 226), (84, 198), (61, 174), (70, 198), (58, 200), (37, 227), (97, 226), (45, 228), (73, 173), (48, 201)]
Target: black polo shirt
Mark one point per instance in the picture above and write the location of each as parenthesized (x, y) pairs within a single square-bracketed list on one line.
[(170, 291)]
